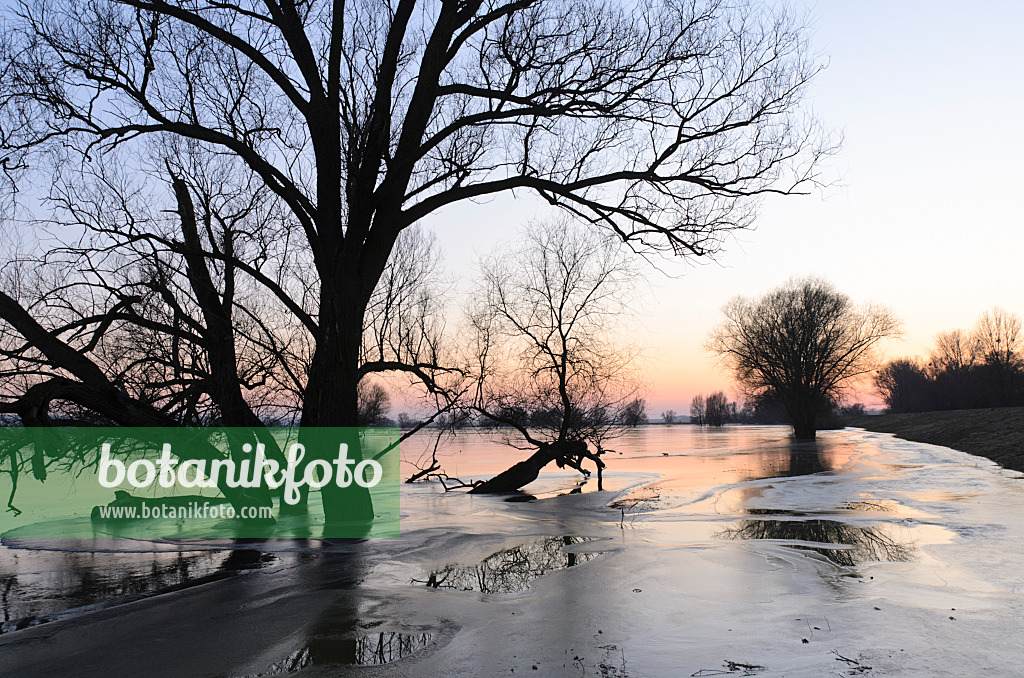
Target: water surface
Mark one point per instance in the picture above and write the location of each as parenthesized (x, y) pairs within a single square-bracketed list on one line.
[(709, 550)]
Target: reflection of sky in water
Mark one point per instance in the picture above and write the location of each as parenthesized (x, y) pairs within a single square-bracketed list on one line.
[(747, 540), (840, 498)]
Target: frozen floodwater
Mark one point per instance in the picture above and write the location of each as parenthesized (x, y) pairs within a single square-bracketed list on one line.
[(730, 552)]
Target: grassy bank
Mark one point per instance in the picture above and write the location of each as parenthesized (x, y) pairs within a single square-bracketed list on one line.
[(996, 433)]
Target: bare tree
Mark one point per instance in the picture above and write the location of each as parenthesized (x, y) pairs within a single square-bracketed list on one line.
[(954, 351), (354, 120), (903, 384), (550, 363), (633, 413), (669, 416), (717, 409), (981, 368), (374, 404), (999, 338), (199, 318), (804, 341), (698, 410)]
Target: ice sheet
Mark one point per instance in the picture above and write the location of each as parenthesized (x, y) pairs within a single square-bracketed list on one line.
[(738, 552)]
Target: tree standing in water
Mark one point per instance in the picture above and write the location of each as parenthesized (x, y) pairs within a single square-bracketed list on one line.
[(661, 123), (551, 362), (803, 342)]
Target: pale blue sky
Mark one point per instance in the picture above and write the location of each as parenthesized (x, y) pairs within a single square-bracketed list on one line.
[(926, 219)]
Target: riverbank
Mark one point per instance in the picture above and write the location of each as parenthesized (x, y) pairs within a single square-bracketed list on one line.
[(996, 433)]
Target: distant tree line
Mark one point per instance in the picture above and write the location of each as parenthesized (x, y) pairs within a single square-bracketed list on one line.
[(764, 409), (631, 414), (714, 410), (966, 370)]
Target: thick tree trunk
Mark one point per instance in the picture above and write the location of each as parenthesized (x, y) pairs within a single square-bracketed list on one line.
[(801, 409), (804, 425), (804, 432), (525, 472), (331, 400)]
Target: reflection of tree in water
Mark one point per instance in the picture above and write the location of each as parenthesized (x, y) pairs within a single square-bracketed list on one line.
[(69, 579), (334, 635), (381, 648), (863, 543), (510, 570), (372, 649), (876, 505), (805, 462), (796, 459)]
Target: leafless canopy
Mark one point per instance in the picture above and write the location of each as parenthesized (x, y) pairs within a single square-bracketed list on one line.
[(803, 342), (549, 321), (999, 338), (659, 120), (348, 121), (652, 117), (552, 361), (980, 368)]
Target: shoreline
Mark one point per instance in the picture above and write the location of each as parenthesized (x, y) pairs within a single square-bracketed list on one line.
[(995, 433)]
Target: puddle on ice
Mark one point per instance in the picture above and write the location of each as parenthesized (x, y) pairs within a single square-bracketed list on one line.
[(372, 649), (510, 570), (842, 543)]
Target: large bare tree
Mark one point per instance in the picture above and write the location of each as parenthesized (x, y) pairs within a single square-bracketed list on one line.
[(802, 342), (661, 121)]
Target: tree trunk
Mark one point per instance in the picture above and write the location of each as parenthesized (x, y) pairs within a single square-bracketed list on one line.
[(804, 432), (802, 413), (804, 425), (525, 472), (331, 400)]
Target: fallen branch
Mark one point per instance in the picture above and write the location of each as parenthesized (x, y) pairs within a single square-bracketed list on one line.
[(458, 483)]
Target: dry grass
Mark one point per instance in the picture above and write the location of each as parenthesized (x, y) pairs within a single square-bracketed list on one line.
[(996, 433)]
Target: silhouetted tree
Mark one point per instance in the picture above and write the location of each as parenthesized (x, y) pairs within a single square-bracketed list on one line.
[(669, 416), (955, 351), (551, 362), (718, 410), (661, 123), (803, 341), (999, 338), (698, 410), (903, 384), (374, 404), (852, 411), (406, 421), (966, 370), (1000, 343), (633, 413), (762, 408)]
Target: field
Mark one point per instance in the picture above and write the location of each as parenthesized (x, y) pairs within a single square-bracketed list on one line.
[(996, 433)]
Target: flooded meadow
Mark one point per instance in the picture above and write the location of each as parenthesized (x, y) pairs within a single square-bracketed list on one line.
[(709, 552)]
